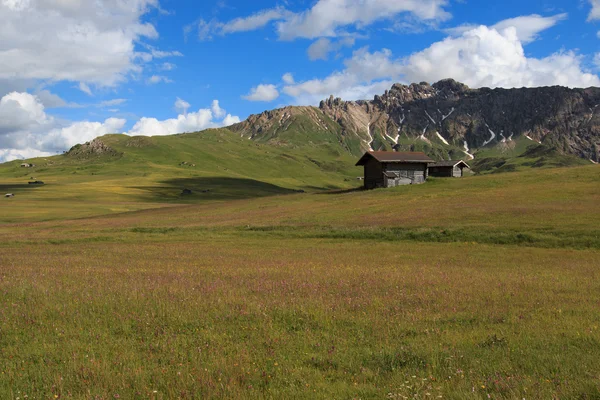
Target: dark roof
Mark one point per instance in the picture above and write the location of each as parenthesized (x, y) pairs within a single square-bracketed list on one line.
[(451, 163), (395, 157)]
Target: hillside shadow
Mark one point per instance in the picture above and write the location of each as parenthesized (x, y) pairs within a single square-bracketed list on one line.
[(16, 188), (210, 188), (343, 191)]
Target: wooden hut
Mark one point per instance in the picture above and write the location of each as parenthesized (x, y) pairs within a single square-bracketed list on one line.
[(390, 168), (448, 169)]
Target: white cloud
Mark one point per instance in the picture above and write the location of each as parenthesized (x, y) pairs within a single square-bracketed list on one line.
[(230, 120), (181, 106), (263, 93), (72, 40), (50, 100), (85, 89), (21, 111), (21, 154), (112, 103), (327, 18), (79, 132), (288, 78), (479, 57), (528, 26), (164, 54), (321, 48), (27, 131), (189, 122), (365, 75), (595, 12), (487, 57), (168, 66), (253, 22), (217, 111), (154, 79)]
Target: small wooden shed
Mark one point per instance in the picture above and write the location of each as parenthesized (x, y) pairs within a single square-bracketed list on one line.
[(448, 169), (390, 168)]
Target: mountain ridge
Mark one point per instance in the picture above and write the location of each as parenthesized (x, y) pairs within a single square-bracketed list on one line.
[(450, 120)]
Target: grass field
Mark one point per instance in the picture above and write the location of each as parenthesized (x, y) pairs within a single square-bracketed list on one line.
[(485, 287)]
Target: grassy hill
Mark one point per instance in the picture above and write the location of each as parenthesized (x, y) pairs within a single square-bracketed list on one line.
[(125, 174)]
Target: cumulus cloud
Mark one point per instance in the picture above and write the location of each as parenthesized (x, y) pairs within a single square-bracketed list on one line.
[(92, 42), (595, 12), (488, 57), (479, 57), (21, 111), (21, 154), (528, 26), (79, 132), (262, 93), (205, 118), (327, 18), (27, 131), (216, 109)]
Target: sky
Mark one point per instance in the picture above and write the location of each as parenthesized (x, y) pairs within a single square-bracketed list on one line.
[(73, 70)]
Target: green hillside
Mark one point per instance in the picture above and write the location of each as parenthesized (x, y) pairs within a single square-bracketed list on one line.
[(131, 173)]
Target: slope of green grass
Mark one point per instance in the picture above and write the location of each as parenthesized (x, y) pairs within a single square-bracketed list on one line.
[(216, 165), (521, 154)]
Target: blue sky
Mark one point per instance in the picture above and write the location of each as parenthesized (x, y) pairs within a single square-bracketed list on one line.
[(74, 69)]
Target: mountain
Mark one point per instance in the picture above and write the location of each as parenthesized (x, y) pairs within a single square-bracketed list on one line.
[(446, 120)]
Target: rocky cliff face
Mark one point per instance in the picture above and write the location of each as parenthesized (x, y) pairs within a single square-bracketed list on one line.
[(448, 119)]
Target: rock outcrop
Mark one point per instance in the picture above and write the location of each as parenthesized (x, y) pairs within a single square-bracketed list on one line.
[(94, 148)]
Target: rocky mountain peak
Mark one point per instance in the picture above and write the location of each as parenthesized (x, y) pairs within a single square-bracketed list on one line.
[(447, 119), (450, 86)]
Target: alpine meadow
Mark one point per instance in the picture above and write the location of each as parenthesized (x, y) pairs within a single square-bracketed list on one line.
[(365, 237)]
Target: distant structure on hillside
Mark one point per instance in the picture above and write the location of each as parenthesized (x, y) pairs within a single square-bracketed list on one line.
[(27, 165), (9, 195), (448, 169), (389, 168), (385, 169)]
